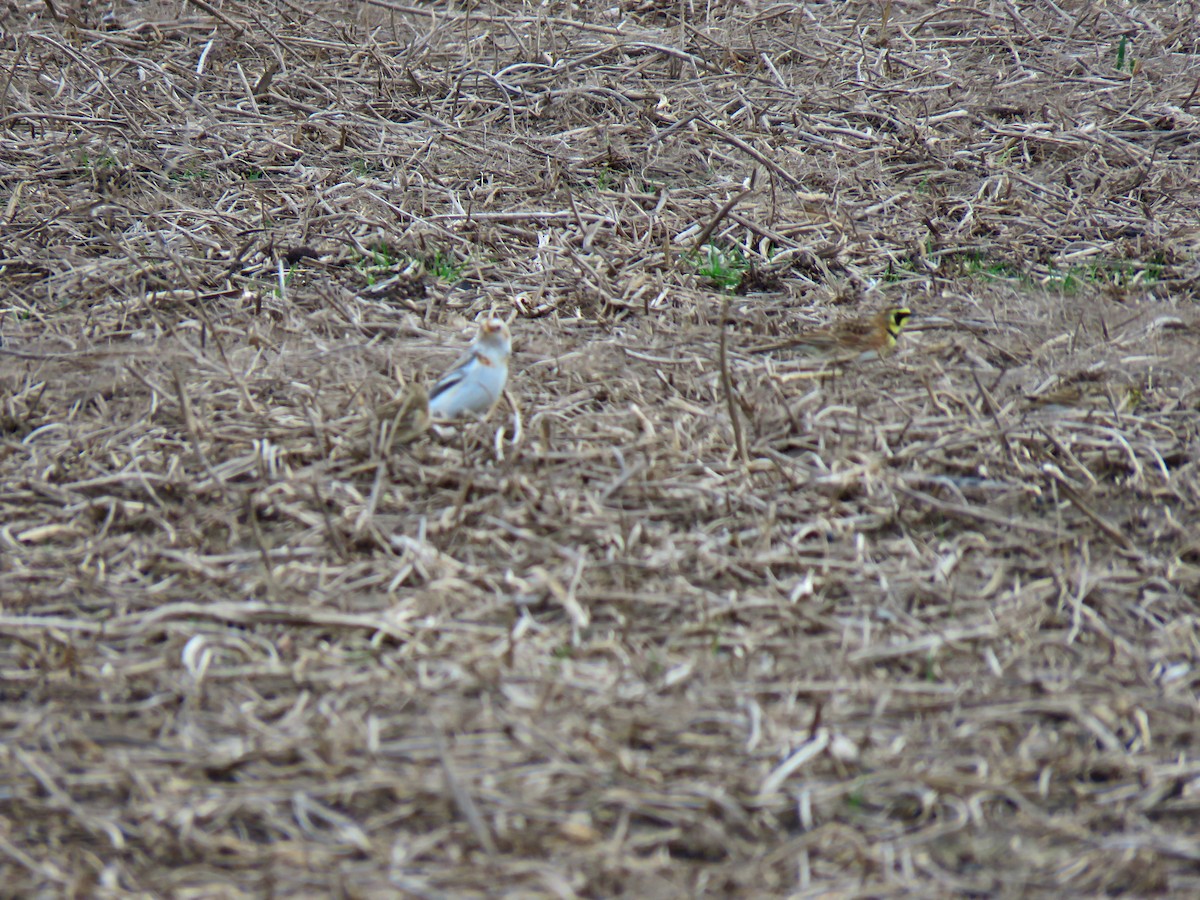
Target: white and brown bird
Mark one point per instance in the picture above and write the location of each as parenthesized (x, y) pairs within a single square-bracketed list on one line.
[(475, 382)]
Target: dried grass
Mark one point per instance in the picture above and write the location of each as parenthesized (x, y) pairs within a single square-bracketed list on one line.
[(681, 619)]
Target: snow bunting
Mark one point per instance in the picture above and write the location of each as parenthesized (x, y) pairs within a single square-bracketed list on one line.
[(476, 381), (854, 339)]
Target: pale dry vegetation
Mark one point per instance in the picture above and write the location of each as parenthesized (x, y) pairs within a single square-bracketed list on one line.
[(680, 619)]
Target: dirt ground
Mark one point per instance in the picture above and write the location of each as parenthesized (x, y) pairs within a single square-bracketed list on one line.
[(682, 618)]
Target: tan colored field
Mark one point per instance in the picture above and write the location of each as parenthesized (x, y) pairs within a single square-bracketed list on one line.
[(682, 618)]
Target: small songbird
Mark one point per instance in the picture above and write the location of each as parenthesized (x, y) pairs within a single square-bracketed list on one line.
[(476, 381), (851, 340), (408, 413)]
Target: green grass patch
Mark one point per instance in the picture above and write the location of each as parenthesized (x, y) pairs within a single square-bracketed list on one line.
[(976, 265), (723, 266), (1123, 273), (384, 261), (605, 179), (380, 262), (445, 266), (190, 173), (1119, 273), (105, 160)]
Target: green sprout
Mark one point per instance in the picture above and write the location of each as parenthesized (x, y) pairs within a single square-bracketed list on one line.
[(190, 172), (724, 267), (105, 160), (1125, 57), (284, 279), (445, 266), (384, 261)]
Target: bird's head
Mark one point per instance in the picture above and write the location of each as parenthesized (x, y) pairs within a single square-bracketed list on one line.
[(895, 318), (494, 337)]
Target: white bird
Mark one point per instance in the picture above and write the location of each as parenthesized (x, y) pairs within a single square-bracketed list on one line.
[(476, 381)]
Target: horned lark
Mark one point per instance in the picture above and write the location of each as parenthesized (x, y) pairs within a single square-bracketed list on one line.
[(409, 413), (851, 340), (476, 381)]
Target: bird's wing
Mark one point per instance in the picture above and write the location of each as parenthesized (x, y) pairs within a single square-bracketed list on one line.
[(455, 373), (469, 394)]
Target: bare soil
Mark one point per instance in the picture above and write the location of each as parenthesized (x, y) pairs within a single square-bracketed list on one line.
[(680, 619)]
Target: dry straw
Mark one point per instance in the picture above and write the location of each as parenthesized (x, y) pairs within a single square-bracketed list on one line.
[(679, 619)]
